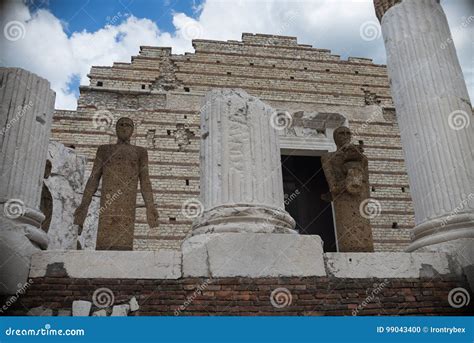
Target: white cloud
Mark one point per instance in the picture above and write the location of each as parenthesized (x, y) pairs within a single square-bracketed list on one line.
[(48, 51)]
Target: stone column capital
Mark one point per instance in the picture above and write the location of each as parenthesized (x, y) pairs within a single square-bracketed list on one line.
[(382, 6)]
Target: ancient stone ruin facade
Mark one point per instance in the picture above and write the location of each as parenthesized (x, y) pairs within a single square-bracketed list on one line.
[(313, 91), (231, 131)]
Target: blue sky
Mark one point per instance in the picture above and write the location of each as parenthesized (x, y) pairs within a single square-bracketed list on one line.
[(89, 15), (61, 39), (92, 15)]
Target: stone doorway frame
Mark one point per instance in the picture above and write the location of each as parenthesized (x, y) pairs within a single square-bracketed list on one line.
[(310, 134)]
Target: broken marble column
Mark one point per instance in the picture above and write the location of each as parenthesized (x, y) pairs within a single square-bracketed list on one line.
[(434, 115), (27, 105), (64, 185), (244, 229), (241, 179)]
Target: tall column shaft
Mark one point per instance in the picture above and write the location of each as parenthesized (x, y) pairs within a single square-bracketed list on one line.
[(434, 115), (241, 179), (26, 112)]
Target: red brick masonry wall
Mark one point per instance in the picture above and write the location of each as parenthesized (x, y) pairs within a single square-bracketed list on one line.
[(251, 297)]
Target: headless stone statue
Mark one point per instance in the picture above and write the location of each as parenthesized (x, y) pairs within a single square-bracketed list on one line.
[(120, 166), (347, 174)]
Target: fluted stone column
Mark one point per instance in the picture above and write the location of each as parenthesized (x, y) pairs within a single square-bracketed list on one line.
[(241, 179), (27, 105), (435, 119), (244, 229)]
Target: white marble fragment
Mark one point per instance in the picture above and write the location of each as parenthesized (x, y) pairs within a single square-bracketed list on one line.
[(134, 304), (120, 310), (81, 308)]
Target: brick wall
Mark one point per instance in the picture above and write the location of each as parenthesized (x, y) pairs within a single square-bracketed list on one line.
[(159, 91), (243, 296)]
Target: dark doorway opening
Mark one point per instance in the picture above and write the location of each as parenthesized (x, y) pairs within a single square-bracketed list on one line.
[(303, 184)]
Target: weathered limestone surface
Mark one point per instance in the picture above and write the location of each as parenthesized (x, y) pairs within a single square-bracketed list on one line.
[(65, 184), (434, 115), (134, 304), (252, 255), (99, 313), (241, 188), (40, 311), (81, 308), (27, 105), (461, 250), (390, 265), (310, 132), (161, 264), (120, 310)]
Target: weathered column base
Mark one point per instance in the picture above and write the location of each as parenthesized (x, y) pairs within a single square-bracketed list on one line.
[(441, 230), (459, 244), (252, 255), (244, 218)]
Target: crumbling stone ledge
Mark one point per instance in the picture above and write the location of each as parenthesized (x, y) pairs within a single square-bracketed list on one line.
[(292, 258)]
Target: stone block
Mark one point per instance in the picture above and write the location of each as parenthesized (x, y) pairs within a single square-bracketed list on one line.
[(389, 265), (81, 308), (120, 310), (100, 313), (134, 304), (40, 311), (252, 255), (160, 264)]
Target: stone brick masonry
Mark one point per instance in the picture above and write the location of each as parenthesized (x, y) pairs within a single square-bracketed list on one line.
[(311, 296), (163, 93)]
